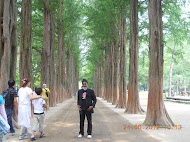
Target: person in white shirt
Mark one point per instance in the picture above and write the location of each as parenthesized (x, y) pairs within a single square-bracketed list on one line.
[(39, 106), (24, 107)]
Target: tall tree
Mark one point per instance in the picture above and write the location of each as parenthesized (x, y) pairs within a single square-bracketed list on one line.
[(8, 44), (122, 83), (156, 111), (133, 103), (25, 64), (60, 73), (48, 51)]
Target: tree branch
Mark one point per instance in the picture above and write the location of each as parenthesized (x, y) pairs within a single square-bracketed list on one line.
[(35, 48)]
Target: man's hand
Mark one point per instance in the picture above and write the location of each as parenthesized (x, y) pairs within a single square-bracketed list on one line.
[(79, 108), (90, 108)]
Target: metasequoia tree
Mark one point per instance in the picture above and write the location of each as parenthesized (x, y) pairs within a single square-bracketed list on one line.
[(25, 63), (156, 111), (122, 82), (48, 51), (133, 104)]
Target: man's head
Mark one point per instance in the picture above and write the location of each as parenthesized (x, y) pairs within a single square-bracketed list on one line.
[(11, 83), (44, 86), (38, 91), (84, 84)]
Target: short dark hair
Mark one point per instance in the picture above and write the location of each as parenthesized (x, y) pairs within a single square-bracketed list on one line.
[(38, 91), (11, 83), (84, 80)]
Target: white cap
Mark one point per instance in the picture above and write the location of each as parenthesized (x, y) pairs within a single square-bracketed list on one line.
[(45, 85)]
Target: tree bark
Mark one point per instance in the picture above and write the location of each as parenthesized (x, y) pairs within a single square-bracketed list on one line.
[(60, 73), (25, 65), (133, 103), (52, 101), (48, 52), (8, 45), (156, 111), (122, 83)]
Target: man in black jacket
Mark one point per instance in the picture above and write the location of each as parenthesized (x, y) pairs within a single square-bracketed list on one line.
[(86, 102)]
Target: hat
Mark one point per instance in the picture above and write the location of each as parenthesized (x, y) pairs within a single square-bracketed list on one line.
[(45, 85)]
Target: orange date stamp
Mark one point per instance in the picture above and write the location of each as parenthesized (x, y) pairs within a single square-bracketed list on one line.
[(151, 127)]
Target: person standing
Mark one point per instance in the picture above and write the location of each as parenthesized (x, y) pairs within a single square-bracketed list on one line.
[(86, 102), (46, 93), (3, 114), (11, 104), (24, 107)]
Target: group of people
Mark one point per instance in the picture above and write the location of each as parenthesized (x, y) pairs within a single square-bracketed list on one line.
[(25, 103), (22, 101)]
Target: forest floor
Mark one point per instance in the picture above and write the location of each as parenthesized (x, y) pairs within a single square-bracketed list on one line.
[(62, 124)]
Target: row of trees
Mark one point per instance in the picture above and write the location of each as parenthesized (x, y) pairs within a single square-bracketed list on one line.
[(45, 36), (112, 25)]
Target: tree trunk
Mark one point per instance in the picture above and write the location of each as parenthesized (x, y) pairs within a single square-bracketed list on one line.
[(115, 66), (52, 101), (60, 74), (25, 66), (48, 51), (8, 45), (156, 111), (122, 83), (171, 70), (133, 103)]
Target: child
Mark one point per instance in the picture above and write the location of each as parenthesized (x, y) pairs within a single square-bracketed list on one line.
[(38, 106)]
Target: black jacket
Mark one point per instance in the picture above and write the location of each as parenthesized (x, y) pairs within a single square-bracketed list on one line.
[(90, 98)]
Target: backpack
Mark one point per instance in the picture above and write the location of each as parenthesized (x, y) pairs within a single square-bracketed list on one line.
[(6, 95), (46, 92)]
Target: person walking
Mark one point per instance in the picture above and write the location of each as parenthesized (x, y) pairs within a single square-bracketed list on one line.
[(46, 93), (39, 106), (24, 107), (11, 103), (3, 114), (86, 102)]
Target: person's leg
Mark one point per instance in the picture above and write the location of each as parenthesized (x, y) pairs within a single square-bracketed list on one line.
[(23, 131), (89, 118), (35, 123), (41, 123), (82, 118), (9, 113), (2, 139)]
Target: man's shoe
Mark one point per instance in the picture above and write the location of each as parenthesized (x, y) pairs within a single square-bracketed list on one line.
[(32, 138), (80, 136), (12, 134), (22, 138), (89, 136), (42, 136)]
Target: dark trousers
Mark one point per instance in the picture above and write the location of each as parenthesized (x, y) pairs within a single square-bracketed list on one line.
[(9, 113), (82, 118)]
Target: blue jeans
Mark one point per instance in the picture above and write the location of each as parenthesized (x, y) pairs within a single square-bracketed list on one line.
[(9, 113)]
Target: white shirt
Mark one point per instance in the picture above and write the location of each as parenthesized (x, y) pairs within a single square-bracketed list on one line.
[(38, 105), (23, 95), (24, 107)]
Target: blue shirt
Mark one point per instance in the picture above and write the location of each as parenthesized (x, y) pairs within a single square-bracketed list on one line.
[(1, 100)]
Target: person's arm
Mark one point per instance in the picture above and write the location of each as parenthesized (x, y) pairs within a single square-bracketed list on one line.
[(2, 111), (34, 98), (16, 104), (94, 101), (45, 106), (79, 107)]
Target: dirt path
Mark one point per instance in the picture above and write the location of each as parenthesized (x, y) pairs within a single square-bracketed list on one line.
[(107, 127)]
